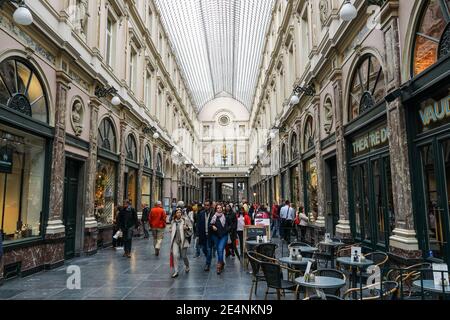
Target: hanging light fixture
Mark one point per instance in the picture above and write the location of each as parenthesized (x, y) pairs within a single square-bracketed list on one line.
[(348, 11), (156, 135), (272, 135), (295, 100), (22, 15), (115, 101)]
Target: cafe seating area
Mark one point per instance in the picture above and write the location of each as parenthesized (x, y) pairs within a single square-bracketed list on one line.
[(329, 270)]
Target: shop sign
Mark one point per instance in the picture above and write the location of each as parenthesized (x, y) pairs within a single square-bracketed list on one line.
[(434, 113), (6, 160), (370, 141)]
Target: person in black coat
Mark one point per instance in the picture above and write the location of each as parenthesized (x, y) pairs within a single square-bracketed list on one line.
[(232, 222), (203, 233), (128, 221), (219, 228)]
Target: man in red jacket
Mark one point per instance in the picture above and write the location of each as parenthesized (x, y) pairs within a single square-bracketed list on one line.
[(157, 221)]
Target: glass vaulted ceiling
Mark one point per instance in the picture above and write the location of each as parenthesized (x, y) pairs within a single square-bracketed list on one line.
[(218, 44)]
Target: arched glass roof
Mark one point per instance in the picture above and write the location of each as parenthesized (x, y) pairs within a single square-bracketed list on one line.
[(218, 44)]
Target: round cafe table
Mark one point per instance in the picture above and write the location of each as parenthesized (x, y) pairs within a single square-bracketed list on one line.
[(333, 245), (305, 249), (321, 283), (348, 261), (288, 261), (253, 243), (430, 286)]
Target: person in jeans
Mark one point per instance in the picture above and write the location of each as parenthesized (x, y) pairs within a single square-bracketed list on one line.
[(287, 215), (275, 228), (117, 243), (157, 220), (204, 238), (144, 219), (128, 222), (219, 235), (181, 231)]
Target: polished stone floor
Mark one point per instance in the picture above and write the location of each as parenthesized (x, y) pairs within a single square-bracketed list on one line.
[(108, 275)]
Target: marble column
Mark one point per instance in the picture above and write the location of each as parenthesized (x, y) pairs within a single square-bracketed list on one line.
[(403, 242), (235, 191), (214, 190), (301, 190), (121, 173), (90, 223), (55, 231), (321, 191), (343, 229)]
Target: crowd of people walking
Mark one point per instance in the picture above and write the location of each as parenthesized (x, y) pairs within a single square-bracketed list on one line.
[(212, 228)]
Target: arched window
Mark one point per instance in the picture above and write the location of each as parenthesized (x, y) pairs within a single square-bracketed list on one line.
[(367, 88), (432, 38), (21, 89), (159, 163), (283, 155), (308, 135), (131, 148), (294, 146), (107, 136), (148, 157)]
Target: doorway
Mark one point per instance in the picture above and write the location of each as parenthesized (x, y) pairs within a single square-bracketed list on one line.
[(71, 180)]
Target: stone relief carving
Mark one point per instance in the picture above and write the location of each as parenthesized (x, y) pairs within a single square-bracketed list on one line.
[(77, 117), (78, 12), (328, 124), (324, 9)]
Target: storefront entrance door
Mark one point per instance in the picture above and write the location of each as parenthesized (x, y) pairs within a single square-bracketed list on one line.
[(70, 206), (372, 201), (435, 158)]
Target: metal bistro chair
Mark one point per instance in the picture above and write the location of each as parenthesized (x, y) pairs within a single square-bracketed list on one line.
[(327, 297), (389, 291), (409, 275), (379, 258), (255, 260), (332, 274), (273, 274), (267, 249)]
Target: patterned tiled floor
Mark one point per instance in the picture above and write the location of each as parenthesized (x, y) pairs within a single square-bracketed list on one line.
[(108, 275)]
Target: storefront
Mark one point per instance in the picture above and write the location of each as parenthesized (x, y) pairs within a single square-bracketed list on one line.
[(25, 158), (427, 103), (106, 181), (310, 182), (369, 168)]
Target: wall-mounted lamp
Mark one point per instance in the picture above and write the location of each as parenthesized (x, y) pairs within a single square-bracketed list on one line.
[(103, 92), (22, 15)]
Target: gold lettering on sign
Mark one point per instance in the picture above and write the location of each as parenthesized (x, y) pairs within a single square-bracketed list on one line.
[(371, 140)]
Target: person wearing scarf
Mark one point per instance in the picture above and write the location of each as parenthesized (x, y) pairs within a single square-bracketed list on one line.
[(219, 234), (181, 227)]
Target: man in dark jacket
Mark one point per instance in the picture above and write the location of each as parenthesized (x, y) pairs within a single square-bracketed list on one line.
[(144, 220), (204, 238), (128, 221)]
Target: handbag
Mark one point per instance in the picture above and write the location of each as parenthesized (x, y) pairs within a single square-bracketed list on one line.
[(297, 220)]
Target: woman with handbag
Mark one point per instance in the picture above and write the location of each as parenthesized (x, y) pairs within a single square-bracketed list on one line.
[(219, 234), (181, 231)]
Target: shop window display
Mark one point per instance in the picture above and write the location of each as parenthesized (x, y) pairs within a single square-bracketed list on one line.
[(146, 187), (105, 192), (433, 28), (311, 189), (22, 166)]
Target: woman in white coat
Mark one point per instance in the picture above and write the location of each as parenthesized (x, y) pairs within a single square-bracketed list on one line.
[(181, 232)]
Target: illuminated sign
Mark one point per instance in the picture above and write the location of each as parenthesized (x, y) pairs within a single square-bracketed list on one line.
[(370, 141), (434, 113)]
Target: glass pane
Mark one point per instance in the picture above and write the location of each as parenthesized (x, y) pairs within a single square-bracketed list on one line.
[(23, 187), (105, 190), (2, 191), (355, 98), (434, 212), (294, 182), (24, 74), (357, 198), (377, 86), (428, 36), (378, 196), (132, 180), (8, 73), (311, 189), (4, 94), (35, 91), (39, 110), (365, 203), (146, 187)]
